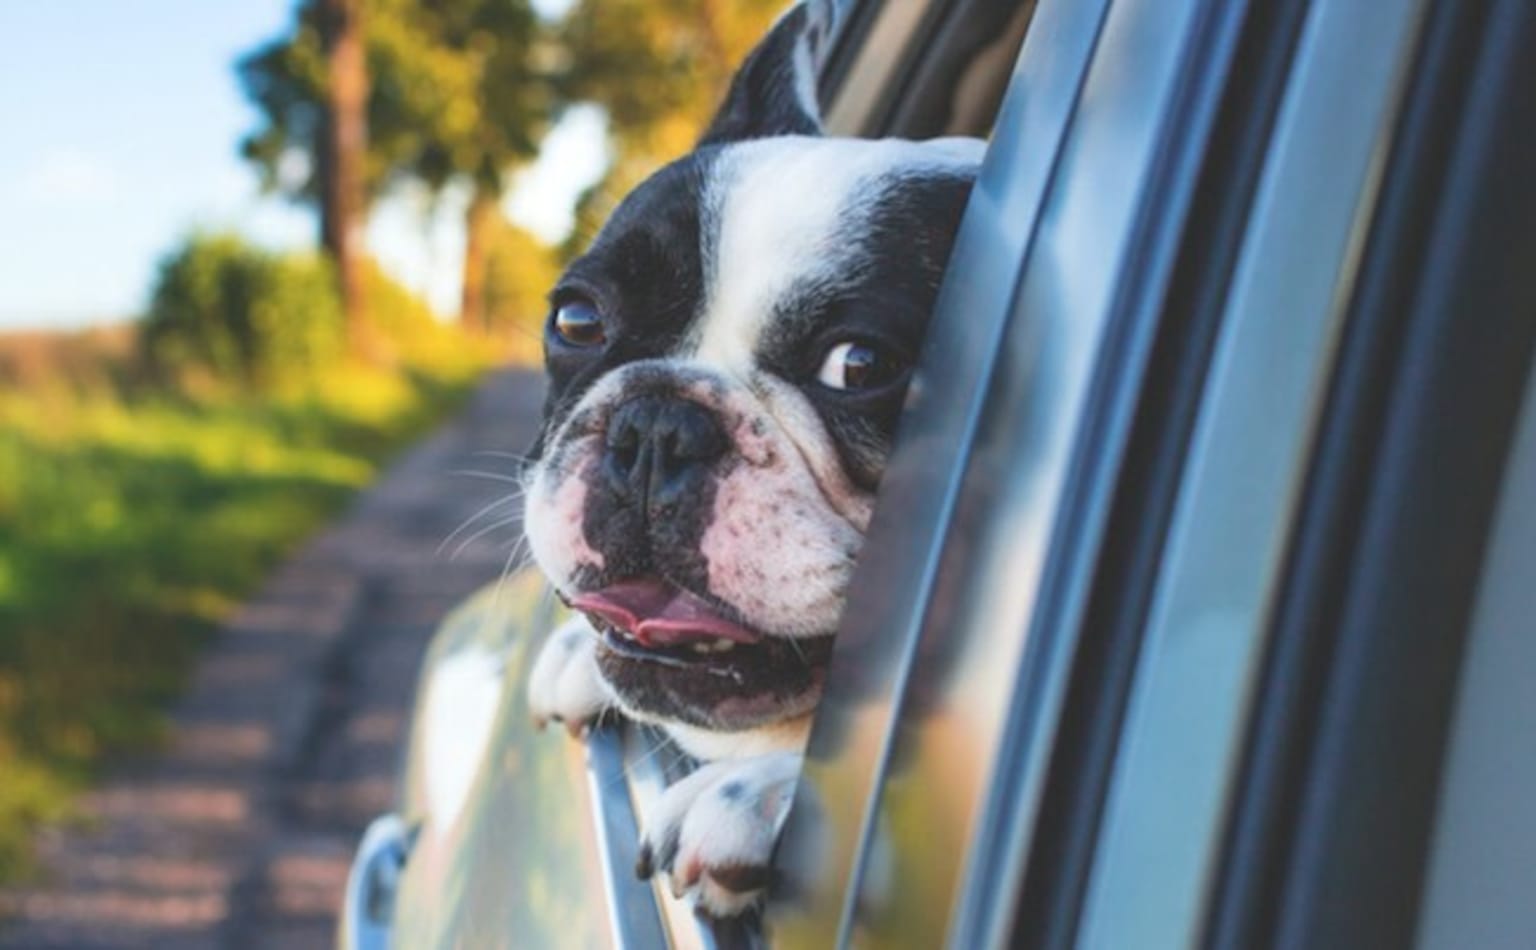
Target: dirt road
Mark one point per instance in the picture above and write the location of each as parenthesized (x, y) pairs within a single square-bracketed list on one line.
[(239, 834)]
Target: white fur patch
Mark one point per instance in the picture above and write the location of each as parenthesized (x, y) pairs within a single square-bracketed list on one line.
[(710, 746), (552, 520), (721, 818), (564, 685), (783, 209)]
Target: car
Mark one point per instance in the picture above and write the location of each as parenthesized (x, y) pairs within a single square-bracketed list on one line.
[(1197, 606)]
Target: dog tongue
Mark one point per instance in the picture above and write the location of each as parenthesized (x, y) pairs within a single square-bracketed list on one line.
[(658, 614)]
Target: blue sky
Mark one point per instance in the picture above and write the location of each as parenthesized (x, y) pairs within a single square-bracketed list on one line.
[(122, 123)]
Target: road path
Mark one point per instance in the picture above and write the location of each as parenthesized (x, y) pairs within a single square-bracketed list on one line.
[(239, 834)]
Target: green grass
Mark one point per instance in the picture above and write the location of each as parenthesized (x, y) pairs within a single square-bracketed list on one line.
[(129, 526)]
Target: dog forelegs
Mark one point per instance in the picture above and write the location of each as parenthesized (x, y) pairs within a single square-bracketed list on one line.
[(713, 832), (565, 685)]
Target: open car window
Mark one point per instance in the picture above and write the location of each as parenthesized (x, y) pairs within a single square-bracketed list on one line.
[(914, 70)]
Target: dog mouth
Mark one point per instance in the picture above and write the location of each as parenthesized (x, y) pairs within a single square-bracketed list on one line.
[(675, 654), (651, 619)]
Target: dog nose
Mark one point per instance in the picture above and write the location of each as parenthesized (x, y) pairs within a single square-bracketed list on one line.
[(658, 447)]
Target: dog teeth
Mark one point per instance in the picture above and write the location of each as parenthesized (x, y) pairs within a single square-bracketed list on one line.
[(720, 645)]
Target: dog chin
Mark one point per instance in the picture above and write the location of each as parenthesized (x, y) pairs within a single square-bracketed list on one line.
[(786, 735)]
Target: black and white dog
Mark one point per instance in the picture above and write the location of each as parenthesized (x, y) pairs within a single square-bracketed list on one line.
[(727, 364)]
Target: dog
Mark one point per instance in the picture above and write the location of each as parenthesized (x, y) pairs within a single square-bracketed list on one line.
[(727, 365)]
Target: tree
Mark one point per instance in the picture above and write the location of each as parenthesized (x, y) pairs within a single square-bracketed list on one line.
[(503, 43), (454, 95), (660, 68), (343, 206), (313, 89)]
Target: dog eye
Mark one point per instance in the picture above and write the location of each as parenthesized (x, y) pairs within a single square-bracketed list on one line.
[(577, 323), (855, 366)]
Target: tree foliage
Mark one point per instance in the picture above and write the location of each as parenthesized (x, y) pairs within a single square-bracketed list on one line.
[(660, 69), (455, 91), (464, 90), (458, 92)]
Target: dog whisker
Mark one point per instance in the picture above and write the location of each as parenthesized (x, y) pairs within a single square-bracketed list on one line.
[(524, 552), (672, 580), (470, 521), (518, 459), (497, 525), (512, 564), (529, 334), (492, 476), (627, 773)]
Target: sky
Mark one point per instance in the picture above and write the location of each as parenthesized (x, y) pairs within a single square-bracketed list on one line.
[(122, 122)]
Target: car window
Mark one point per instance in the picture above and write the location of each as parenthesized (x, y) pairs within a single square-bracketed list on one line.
[(932, 646), (896, 60)]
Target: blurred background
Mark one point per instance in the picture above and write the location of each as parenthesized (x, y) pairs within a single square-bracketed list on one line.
[(250, 251)]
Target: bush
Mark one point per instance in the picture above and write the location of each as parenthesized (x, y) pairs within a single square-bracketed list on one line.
[(225, 309)]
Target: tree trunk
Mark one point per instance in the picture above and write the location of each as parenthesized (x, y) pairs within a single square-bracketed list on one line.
[(343, 202), (479, 228)]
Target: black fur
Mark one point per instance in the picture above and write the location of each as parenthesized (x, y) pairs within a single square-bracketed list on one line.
[(647, 274), (900, 239), (763, 100)]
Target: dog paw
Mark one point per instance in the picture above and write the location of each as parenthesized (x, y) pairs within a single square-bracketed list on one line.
[(713, 833), (565, 685)]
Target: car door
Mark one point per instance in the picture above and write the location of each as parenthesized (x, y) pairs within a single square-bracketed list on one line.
[(1132, 631)]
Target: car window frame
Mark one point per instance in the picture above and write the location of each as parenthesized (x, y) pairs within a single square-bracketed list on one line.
[(1172, 305), (867, 81), (981, 283), (986, 920)]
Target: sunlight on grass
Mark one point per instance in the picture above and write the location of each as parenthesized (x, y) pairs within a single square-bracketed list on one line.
[(130, 527)]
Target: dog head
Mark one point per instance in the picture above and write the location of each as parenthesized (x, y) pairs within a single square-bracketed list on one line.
[(727, 363)]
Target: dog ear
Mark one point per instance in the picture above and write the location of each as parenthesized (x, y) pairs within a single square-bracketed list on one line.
[(774, 92)]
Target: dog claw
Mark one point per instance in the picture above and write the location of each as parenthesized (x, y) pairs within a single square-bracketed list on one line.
[(680, 883)]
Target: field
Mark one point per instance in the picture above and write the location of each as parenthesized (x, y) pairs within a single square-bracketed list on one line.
[(133, 518)]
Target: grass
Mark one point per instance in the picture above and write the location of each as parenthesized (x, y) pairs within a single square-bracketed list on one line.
[(131, 524)]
